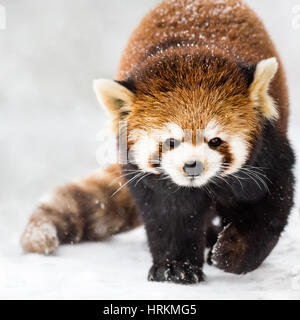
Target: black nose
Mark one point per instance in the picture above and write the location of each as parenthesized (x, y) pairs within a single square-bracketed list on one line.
[(193, 168)]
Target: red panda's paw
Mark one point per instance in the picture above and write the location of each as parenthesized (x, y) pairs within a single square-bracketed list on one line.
[(40, 237), (176, 272), (231, 252)]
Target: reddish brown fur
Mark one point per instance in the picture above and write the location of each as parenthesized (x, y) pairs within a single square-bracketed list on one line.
[(84, 210), (199, 26)]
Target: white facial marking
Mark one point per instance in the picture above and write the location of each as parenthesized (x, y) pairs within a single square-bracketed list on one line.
[(239, 151), (143, 148), (146, 145), (214, 130), (173, 161)]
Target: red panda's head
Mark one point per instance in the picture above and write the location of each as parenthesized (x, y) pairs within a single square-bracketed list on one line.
[(191, 118)]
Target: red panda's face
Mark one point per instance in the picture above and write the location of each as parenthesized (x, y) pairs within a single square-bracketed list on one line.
[(188, 157), (192, 121)]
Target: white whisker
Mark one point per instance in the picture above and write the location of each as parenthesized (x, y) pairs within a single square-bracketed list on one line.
[(125, 184)]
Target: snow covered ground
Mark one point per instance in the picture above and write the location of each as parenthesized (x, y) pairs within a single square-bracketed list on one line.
[(49, 120)]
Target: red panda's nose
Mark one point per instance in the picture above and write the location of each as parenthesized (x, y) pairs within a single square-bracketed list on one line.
[(193, 168)]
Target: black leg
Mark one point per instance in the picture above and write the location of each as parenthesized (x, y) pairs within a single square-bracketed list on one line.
[(177, 245), (254, 230), (175, 221)]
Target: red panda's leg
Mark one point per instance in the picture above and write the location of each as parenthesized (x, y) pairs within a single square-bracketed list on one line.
[(253, 232), (82, 210), (214, 228)]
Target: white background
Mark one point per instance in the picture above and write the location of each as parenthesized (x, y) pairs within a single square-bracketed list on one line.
[(50, 52)]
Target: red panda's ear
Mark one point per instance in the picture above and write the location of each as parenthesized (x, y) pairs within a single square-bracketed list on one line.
[(259, 88), (114, 97)]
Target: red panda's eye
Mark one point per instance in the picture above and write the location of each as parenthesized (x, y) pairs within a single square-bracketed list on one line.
[(171, 143), (214, 143)]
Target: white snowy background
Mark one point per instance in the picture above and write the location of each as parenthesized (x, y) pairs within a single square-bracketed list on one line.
[(50, 52)]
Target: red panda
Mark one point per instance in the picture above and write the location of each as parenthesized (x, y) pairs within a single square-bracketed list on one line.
[(200, 98)]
